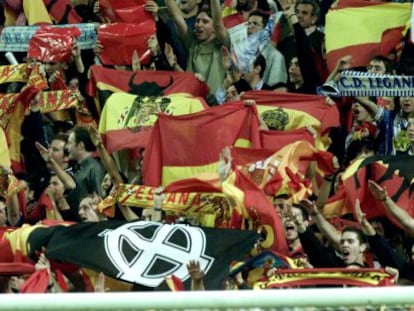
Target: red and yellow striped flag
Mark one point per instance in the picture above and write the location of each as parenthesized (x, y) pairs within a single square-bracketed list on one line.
[(126, 120), (181, 147), (286, 112), (364, 29)]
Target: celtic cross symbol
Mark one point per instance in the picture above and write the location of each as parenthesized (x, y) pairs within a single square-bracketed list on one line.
[(164, 251)]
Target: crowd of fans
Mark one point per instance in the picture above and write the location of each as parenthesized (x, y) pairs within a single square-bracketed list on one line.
[(68, 163)]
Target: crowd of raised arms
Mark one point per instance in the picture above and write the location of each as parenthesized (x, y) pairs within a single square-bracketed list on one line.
[(111, 106)]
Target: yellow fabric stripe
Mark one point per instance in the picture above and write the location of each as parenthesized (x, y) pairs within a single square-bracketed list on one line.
[(174, 173), (35, 12), (4, 150), (295, 118), (18, 238), (368, 22), (119, 104)]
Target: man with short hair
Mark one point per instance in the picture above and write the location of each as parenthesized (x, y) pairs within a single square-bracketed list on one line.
[(88, 209), (204, 43), (57, 151), (254, 77), (275, 62), (380, 65), (291, 212), (307, 12), (88, 172)]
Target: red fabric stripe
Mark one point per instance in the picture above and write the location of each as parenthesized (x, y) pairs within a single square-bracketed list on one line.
[(276, 140), (344, 4), (127, 81), (197, 139), (362, 53), (311, 104), (126, 139)]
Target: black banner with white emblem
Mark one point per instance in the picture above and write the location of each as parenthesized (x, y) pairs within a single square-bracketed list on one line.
[(146, 252)]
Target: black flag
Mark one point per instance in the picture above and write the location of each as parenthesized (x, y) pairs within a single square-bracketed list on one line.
[(145, 252)]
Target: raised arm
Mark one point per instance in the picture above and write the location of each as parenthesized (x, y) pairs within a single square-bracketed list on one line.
[(326, 228), (390, 206), (196, 274), (106, 158), (67, 180), (178, 17), (221, 32)]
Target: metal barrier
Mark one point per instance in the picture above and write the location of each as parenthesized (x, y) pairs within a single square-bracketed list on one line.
[(217, 300)]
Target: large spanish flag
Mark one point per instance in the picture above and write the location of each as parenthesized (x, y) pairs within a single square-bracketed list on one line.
[(126, 119), (286, 111), (104, 81), (182, 146), (364, 29)]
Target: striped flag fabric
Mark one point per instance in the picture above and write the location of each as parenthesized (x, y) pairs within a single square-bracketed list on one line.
[(127, 120), (104, 81), (181, 147), (364, 29), (286, 111)]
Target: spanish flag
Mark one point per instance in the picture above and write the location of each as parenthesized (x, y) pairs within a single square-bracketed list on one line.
[(286, 111), (181, 147), (252, 204), (126, 120), (280, 172), (104, 81), (364, 29)]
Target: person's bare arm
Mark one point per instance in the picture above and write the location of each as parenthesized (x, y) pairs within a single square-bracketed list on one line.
[(196, 274), (390, 206), (107, 161), (178, 17), (67, 180), (326, 228), (221, 32)]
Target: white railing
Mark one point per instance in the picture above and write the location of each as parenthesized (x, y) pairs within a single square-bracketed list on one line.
[(265, 299)]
